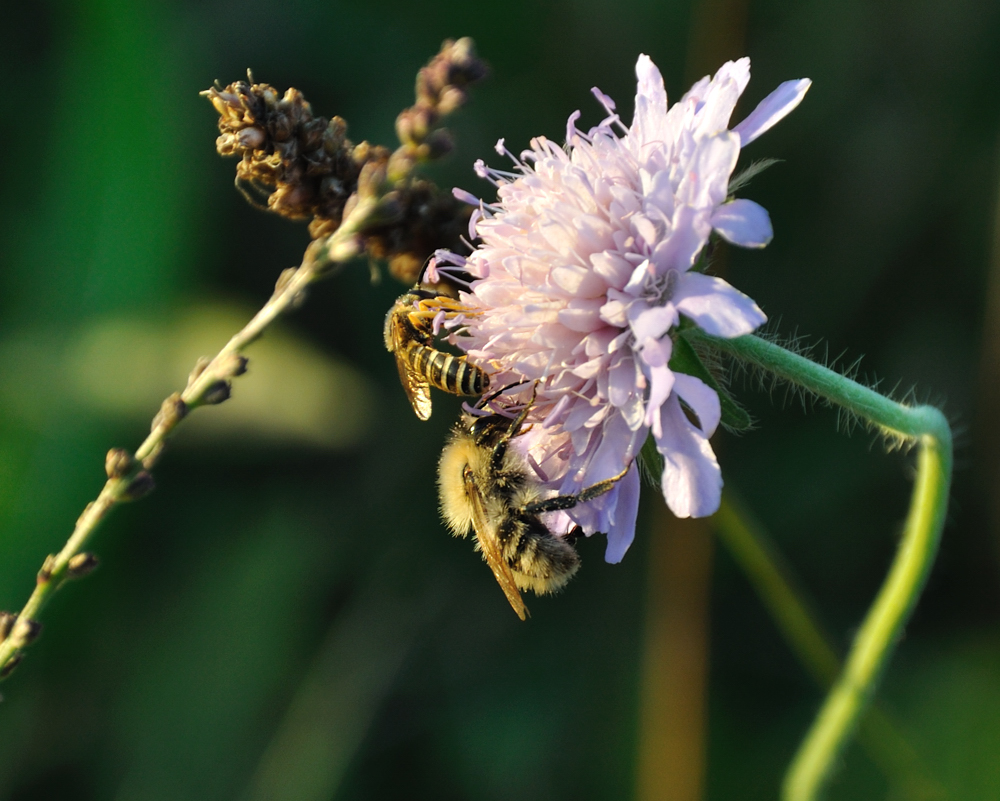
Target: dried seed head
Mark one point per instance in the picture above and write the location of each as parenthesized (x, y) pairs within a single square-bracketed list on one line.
[(285, 151), (428, 218), (82, 564), (119, 462)]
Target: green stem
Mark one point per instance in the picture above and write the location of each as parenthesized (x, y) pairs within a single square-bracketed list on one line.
[(320, 258), (774, 583), (924, 426)]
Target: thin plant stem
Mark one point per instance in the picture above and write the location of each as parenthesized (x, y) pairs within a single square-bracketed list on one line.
[(923, 426), (322, 257), (772, 579)]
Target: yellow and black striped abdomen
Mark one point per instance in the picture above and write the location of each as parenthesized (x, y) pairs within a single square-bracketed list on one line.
[(451, 373)]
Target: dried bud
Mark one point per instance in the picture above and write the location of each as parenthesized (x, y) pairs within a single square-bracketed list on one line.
[(7, 620), (46, 570), (429, 219), (250, 139), (171, 412), (440, 143), (217, 392), (232, 365), (12, 663), (371, 179), (139, 487), (404, 127), (25, 632), (119, 462), (81, 565)]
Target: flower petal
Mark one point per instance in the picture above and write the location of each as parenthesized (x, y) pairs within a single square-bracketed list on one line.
[(718, 308), (650, 100), (772, 109), (626, 512), (692, 481), (702, 399), (653, 322), (743, 223)]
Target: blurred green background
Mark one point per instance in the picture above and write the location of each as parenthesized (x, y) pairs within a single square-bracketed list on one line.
[(286, 618)]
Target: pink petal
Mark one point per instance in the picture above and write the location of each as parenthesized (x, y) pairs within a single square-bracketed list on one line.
[(650, 100), (690, 231), (706, 181), (772, 109), (718, 308), (743, 223), (692, 481), (626, 511), (653, 322), (701, 398)]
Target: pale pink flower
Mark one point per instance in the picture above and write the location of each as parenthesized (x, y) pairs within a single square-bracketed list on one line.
[(584, 271)]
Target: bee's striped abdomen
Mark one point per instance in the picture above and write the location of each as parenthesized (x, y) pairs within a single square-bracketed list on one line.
[(451, 373)]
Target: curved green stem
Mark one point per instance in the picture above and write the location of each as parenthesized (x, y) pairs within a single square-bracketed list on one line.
[(772, 579), (923, 426), (320, 258)]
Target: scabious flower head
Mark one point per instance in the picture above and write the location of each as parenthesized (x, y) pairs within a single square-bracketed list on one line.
[(584, 271)]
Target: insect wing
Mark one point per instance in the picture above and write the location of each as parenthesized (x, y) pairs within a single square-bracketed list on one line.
[(490, 546), (417, 388)]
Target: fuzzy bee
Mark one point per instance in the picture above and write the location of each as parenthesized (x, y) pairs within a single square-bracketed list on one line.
[(487, 488), (409, 336)]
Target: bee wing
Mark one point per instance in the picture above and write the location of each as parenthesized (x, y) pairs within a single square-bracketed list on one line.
[(417, 388), (490, 546)]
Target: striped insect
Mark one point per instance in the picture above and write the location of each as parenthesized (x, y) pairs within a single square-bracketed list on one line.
[(409, 336)]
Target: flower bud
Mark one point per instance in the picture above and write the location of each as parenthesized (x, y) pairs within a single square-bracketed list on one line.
[(25, 632), (232, 365), (46, 570), (81, 565), (118, 462), (404, 127), (171, 412), (371, 179)]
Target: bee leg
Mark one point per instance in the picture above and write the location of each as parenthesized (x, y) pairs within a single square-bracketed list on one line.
[(573, 535), (500, 449), (561, 502)]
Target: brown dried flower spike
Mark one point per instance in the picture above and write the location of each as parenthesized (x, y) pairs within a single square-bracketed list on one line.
[(305, 167)]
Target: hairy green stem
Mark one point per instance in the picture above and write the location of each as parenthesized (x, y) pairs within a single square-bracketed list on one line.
[(320, 259), (924, 426)]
